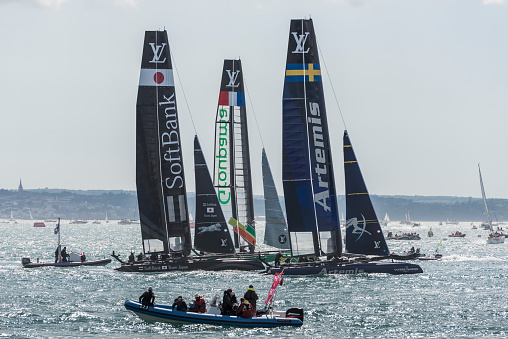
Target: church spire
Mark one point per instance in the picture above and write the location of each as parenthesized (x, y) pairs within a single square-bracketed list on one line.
[(20, 187)]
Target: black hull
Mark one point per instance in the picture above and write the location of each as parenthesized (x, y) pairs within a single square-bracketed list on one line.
[(323, 269), (217, 264), (100, 262)]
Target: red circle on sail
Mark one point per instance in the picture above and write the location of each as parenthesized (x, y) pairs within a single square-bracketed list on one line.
[(158, 77)]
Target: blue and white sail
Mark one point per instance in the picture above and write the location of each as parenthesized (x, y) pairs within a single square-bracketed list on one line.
[(363, 232), (308, 178)]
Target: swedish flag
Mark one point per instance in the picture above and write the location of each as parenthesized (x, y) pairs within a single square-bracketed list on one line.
[(303, 72)]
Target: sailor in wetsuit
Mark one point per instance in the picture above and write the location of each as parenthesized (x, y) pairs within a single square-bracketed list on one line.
[(148, 297), (180, 304)]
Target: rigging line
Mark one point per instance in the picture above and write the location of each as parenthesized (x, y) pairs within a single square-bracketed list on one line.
[(253, 112), (183, 92), (331, 84)]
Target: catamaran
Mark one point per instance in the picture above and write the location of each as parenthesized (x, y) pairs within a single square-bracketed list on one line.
[(308, 178), (160, 177), (494, 236)]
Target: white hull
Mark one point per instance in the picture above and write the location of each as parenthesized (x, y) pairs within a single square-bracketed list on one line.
[(496, 240)]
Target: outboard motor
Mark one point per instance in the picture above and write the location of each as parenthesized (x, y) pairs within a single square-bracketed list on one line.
[(295, 312), (25, 261)]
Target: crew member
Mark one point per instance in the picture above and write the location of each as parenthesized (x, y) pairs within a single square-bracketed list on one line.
[(227, 302), (199, 304), (131, 257), (148, 297), (180, 304), (56, 253), (245, 310), (64, 254), (251, 296), (277, 259), (140, 256)]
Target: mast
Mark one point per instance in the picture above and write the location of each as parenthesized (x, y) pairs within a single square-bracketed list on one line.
[(232, 174), (485, 201), (363, 232), (308, 178), (160, 179), (211, 231), (276, 231)]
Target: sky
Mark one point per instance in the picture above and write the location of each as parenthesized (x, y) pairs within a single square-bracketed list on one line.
[(422, 86)]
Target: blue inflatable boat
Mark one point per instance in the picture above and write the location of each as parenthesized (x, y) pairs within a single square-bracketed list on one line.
[(165, 313)]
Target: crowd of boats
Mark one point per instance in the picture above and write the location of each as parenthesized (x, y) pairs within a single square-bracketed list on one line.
[(308, 242)]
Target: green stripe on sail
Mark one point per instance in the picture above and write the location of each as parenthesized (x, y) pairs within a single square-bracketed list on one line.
[(249, 229)]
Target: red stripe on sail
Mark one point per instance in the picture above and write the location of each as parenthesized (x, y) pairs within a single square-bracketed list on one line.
[(224, 98)]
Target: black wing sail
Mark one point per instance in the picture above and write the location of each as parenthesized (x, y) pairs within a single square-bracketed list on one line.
[(309, 185), (160, 180), (211, 231), (363, 232)]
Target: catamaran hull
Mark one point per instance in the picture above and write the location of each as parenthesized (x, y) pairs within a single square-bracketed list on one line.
[(100, 262), (380, 267), (193, 265), (164, 313)]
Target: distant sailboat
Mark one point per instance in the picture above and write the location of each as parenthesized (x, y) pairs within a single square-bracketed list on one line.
[(494, 237), (386, 220)]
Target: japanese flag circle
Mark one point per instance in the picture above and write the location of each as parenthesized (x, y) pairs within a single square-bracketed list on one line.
[(158, 77)]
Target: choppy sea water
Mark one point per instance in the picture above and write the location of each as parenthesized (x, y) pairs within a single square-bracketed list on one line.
[(465, 295)]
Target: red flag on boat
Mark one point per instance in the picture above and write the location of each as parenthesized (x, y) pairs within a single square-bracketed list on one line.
[(277, 280)]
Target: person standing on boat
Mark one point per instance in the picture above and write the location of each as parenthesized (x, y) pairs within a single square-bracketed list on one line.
[(57, 253), (148, 297), (251, 296), (64, 254), (180, 304), (227, 302), (278, 256), (140, 256), (131, 257)]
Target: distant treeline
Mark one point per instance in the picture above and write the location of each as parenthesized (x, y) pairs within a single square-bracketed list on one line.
[(50, 203)]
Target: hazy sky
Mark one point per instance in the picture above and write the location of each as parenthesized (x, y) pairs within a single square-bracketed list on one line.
[(423, 86)]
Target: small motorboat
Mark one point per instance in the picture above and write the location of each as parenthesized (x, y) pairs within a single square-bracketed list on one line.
[(39, 224), (213, 316), (166, 313), (74, 260), (457, 234), (436, 256)]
